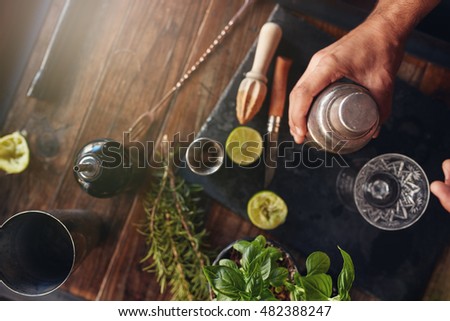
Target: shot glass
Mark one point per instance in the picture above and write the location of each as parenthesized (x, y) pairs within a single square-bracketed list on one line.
[(204, 156)]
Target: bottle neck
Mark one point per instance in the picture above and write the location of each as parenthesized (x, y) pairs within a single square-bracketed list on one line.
[(88, 168)]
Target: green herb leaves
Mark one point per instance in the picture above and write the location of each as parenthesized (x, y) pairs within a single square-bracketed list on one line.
[(317, 285), (174, 234), (317, 262), (259, 270), (226, 281), (346, 277), (260, 274)]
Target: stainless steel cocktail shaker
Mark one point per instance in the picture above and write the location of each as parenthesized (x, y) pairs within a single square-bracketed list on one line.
[(343, 118)]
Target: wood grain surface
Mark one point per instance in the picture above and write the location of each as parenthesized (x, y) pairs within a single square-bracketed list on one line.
[(134, 52)]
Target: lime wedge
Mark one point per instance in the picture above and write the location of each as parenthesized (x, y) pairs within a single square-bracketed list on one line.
[(267, 210), (14, 153), (244, 145)]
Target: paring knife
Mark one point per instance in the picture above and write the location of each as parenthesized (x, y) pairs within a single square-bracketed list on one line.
[(276, 108)]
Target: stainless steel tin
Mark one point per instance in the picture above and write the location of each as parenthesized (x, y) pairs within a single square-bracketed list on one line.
[(40, 249), (343, 118)]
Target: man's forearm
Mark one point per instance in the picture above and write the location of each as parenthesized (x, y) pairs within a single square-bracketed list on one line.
[(401, 15)]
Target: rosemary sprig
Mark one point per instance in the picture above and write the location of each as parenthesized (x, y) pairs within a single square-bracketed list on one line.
[(174, 235)]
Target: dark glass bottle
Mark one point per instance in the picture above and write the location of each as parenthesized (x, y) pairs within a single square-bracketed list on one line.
[(104, 168)]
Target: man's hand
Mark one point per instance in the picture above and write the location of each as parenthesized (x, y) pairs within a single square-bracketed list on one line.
[(442, 189), (365, 56), (369, 55)]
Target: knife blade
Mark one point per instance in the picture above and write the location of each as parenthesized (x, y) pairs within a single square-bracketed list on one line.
[(276, 108)]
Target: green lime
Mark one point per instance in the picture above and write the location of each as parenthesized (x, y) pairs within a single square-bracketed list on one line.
[(244, 145), (14, 153), (267, 210)]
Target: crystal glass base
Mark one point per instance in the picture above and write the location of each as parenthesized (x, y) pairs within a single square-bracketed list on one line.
[(391, 191)]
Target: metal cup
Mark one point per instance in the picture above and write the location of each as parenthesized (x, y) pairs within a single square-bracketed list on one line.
[(39, 250), (343, 118), (204, 156)]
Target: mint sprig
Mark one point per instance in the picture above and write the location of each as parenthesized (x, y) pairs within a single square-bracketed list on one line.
[(260, 275)]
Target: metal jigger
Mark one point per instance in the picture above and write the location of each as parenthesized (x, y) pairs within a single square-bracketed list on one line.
[(390, 191)]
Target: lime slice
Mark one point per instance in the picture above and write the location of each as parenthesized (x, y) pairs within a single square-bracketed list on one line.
[(14, 153), (244, 145), (267, 210)]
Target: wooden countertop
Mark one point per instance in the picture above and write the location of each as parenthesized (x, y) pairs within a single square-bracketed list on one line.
[(134, 52)]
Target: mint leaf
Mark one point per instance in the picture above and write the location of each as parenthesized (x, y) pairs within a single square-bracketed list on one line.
[(225, 280), (275, 253), (266, 264), (249, 260), (229, 263), (317, 262), (346, 277), (318, 287), (245, 297), (255, 285), (241, 245), (296, 289), (278, 276), (223, 297), (266, 295), (260, 241)]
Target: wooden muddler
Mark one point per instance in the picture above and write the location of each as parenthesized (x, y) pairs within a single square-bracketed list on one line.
[(253, 88)]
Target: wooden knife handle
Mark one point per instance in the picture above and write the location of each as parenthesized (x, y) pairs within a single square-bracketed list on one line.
[(279, 84), (268, 40)]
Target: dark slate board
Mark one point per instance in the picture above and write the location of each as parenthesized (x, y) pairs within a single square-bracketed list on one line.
[(391, 265)]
